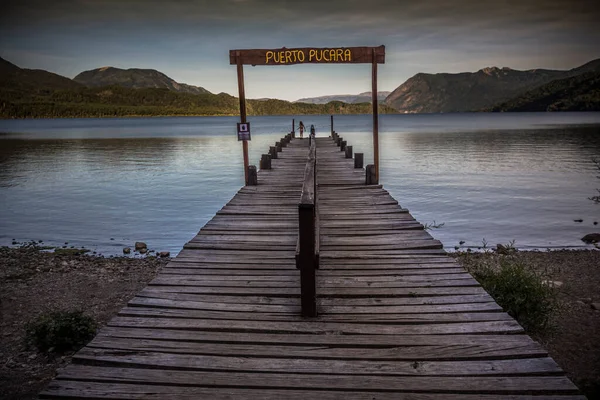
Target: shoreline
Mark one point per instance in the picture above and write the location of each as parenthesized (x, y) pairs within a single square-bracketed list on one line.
[(35, 282)]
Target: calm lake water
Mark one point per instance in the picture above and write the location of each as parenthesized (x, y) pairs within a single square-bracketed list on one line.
[(106, 183)]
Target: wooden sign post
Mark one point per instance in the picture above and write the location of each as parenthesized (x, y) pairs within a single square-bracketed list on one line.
[(240, 76), (310, 55)]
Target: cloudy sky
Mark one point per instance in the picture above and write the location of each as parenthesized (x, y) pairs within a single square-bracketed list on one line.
[(190, 40)]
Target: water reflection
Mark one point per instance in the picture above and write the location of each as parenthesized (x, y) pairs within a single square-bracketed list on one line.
[(498, 177)]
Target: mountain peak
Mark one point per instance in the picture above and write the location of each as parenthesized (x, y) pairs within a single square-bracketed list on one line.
[(135, 78)]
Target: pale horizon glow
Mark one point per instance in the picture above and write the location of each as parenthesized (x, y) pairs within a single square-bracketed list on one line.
[(190, 40)]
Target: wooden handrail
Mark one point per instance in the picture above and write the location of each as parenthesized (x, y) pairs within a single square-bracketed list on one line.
[(307, 245)]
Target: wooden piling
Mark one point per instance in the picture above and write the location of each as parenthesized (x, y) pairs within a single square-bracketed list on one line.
[(252, 175), (273, 152), (265, 161), (358, 160), (370, 175), (343, 145), (348, 151), (332, 125)]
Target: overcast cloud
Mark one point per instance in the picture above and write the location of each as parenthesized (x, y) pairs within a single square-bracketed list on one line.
[(190, 40)]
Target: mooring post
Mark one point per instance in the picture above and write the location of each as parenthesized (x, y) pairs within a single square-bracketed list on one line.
[(358, 160), (348, 151), (252, 175), (293, 127), (265, 161), (278, 146), (273, 152), (332, 125), (370, 175), (343, 145)]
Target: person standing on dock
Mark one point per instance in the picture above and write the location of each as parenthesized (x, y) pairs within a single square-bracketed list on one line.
[(301, 127), (312, 131)]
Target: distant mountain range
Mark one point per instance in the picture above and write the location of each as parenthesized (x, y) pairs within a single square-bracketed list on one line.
[(134, 78), (484, 89), (110, 91), (577, 93), (346, 98)]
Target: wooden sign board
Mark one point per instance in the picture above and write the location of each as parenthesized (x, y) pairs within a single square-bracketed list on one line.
[(308, 55)]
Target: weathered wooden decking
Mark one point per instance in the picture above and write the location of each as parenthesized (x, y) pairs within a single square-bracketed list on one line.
[(398, 318)]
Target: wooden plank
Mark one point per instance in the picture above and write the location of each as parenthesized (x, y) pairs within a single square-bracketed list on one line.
[(317, 327), (472, 384), (133, 391)]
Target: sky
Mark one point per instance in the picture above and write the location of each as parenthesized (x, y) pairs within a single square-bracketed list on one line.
[(190, 40)]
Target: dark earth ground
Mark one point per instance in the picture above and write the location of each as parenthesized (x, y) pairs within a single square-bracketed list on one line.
[(33, 282)]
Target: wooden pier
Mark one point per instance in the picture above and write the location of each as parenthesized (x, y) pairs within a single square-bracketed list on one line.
[(396, 317)]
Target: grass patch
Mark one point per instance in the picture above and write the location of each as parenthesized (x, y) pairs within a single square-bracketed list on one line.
[(519, 290), (61, 331)]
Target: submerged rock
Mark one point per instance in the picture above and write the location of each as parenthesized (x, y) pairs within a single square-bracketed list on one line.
[(143, 250), (591, 238), (127, 250), (140, 245), (164, 254)]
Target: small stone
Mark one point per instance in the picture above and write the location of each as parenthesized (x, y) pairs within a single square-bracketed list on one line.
[(127, 250), (591, 238), (577, 220), (580, 302), (140, 245), (112, 238), (555, 284), (587, 300), (15, 242), (595, 306), (461, 242), (164, 254), (143, 250), (595, 222)]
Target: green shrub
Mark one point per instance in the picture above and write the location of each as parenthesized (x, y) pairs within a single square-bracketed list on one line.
[(61, 331), (520, 291)]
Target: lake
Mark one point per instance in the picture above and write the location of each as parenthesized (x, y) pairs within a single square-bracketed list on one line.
[(106, 183)]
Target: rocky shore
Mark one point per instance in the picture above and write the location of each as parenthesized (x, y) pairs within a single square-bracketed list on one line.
[(34, 282)]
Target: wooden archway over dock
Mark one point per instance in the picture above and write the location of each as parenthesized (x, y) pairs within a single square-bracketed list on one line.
[(310, 55)]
